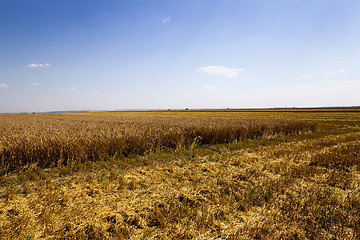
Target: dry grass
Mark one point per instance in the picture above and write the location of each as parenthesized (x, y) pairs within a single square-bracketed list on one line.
[(52, 140), (284, 187)]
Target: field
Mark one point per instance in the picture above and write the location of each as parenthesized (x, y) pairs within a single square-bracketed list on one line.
[(221, 174)]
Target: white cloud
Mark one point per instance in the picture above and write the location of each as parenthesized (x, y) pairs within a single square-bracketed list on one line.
[(220, 70), (336, 72), (166, 19), (95, 92), (35, 84), (34, 65), (3, 85), (74, 90), (306, 75)]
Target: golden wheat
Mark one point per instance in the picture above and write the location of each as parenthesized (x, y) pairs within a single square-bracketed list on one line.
[(265, 187), (52, 140)]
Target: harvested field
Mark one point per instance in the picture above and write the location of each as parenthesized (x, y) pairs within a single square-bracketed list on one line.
[(270, 186)]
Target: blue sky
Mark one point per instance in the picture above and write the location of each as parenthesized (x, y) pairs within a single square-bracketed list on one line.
[(157, 54)]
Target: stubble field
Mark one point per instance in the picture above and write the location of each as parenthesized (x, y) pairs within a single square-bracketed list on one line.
[(254, 174)]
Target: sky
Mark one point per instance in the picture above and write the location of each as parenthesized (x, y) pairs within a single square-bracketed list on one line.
[(60, 55)]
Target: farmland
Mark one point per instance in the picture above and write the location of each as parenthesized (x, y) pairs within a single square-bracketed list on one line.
[(224, 174), (53, 140)]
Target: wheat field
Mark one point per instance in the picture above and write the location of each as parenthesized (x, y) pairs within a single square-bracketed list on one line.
[(191, 175), (52, 140)]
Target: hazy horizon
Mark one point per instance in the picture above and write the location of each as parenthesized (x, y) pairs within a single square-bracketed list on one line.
[(106, 55)]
